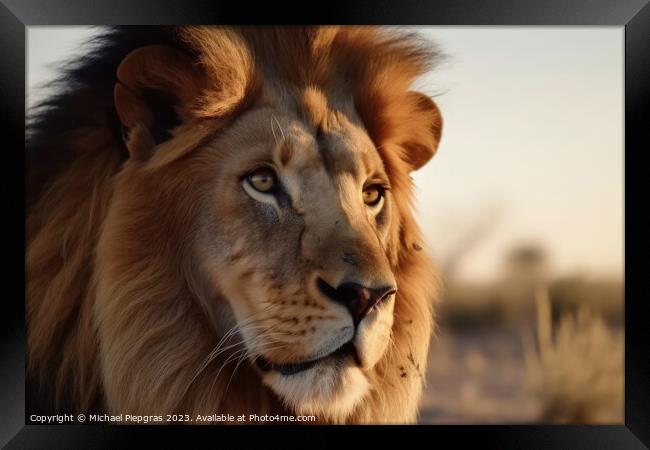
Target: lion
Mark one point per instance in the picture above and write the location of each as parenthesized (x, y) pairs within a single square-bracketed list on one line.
[(220, 220)]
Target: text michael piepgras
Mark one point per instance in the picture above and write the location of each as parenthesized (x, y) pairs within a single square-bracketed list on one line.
[(170, 418)]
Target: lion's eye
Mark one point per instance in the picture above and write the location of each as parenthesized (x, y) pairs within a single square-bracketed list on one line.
[(262, 180), (372, 195)]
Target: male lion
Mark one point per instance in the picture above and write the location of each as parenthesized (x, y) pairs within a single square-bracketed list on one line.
[(219, 222)]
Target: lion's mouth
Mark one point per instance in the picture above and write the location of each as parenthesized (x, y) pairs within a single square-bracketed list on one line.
[(296, 367)]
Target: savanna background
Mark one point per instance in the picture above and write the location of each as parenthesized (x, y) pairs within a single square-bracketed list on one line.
[(522, 209)]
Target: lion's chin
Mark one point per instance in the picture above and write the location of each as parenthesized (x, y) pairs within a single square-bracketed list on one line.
[(330, 390)]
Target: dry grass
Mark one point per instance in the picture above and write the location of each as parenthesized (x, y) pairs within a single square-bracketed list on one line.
[(575, 371)]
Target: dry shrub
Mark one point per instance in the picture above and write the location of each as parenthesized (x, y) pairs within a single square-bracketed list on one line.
[(575, 371)]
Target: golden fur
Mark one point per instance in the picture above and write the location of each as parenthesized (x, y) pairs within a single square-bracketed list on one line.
[(125, 304)]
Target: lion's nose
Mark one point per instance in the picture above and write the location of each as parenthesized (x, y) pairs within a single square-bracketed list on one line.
[(357, 298)]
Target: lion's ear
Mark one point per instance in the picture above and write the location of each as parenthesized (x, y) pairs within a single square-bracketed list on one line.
[(426, 126), (156, 88)]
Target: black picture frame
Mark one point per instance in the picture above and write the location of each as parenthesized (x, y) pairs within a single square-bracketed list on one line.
[(634, 15)]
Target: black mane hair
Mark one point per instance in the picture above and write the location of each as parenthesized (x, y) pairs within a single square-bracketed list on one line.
[(83, 98)]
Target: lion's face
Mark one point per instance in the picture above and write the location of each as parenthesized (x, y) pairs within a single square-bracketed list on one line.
[(294, 240)]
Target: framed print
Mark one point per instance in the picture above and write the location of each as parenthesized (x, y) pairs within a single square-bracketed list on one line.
[(408, 218)]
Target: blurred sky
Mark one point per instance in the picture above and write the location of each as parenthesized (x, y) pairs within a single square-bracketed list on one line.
[(532, 147)]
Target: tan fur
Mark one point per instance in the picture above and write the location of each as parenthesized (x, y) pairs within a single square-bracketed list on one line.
[(135, 275)]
